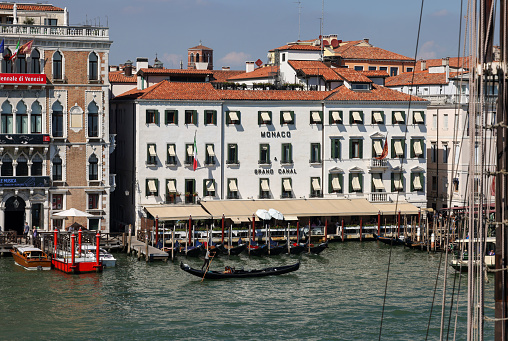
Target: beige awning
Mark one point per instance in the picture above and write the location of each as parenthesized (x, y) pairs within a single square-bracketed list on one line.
[(233, 116), (316, 117), (378, 181), (290, 217), (151, 186), (171, 186), (210, 151), (287, 185), (417, 184), (239, 220), (190, 150), (357, 116), (393, 208), (378, 118), (151, 150), (397, 181), (265, 116), (398, 148), (418, 117), (264, 185), (398, 117), (417, 145), (336, 183), (210, 187), (378, 148), (171, 150), (336, 116), (286, 115), (315, 184), (356, 182), (176, 212), (232, 185)]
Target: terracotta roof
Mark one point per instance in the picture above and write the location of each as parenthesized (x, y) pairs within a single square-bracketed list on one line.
[(166, 90), (164, 71), (35, 7), (375, 73), (420, 78), (221, 76), (315, 68), (352, 76), (298, 47), (461, 62), (200, 47), (378, 93), (120, 77), (349, 51), (260, 72)]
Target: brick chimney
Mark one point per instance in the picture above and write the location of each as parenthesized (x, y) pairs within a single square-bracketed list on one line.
[(423, 65)]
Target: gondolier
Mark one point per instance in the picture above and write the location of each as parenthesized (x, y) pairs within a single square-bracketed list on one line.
[(207, 259)]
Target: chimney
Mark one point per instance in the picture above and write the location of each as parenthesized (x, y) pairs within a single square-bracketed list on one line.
[(226, 68), (128, 68), (249, 66), (141, 63), (423, 65), (446, 63), (366, 40)]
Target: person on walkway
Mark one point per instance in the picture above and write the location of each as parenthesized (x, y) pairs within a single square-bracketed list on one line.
[(207, 260), (26, 229)]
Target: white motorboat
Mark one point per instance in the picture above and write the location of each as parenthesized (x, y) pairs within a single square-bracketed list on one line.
[(107, 259)]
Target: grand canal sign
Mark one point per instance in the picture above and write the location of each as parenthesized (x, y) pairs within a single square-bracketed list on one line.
[(24, 181), (22, 78)]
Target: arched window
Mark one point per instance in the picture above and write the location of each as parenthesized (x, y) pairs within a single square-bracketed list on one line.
[(36, 118), (93, 168), (6, 118), (57, 168), (93, 120), (36, 166), (57, 120), (197, 57), (6, 63), (192, 57), (35, 66), (57, 65), (7, 166), (21, 118), (22, 166), (21, 63), (93, 67)]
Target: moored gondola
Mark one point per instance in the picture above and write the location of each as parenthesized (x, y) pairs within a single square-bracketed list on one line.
[(190, 251), (240, 273), (389, 240), (233, 250), (316, 249), (296, 248)]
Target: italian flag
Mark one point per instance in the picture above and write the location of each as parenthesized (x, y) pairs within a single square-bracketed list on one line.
[(195, 161), (15, 54)]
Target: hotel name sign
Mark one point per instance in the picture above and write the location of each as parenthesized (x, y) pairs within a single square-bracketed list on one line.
[(276, 134), (22, 78), (262, 171)]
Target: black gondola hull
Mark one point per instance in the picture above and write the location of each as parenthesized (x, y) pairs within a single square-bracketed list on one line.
[(233, 251), (272, 271)]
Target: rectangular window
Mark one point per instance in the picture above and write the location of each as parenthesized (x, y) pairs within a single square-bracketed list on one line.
[(372, 68), (152, 187), (93, 224), (378, 117), (208, 188), (190, 191), (445, 121), (397, 182), (57, 201), (210, 117), (315, 188), (316, 117), (171, 191), (171, 157), (356, 117), (377, 147), (358, 68), (445, 153), (171, 116), (417, 182), (264, 188), (93, 201), (398, 117), (264, 154), (286, 153), (335, 143), (315, 152), (233, 117), (417, 148), (433, 152), (418, 117), (191, 117), (356, 149), (335, 183), (232, 154), (152, 117), (232, 189), (151, 154), (394, 71), (434, 121), (287, 117), (264, 117), (377, 183), (335, 117), (355, 182), (210, 154), (189, 153), (287, 189), (398, 148), (455, 185), (383, 68), (409, 69)]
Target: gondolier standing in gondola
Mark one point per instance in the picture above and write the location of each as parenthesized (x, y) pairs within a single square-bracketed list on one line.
[(207, 260)]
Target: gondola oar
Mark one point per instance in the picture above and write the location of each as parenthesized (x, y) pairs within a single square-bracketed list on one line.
[(207, 269)]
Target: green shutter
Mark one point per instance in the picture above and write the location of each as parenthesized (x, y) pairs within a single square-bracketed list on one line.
[(156, 187), (195, 117), (176, 116), (281, 118), (147, 117), (393, 182), (412, 180), (403, 148), (350, 148), (147, 191), (361, 148), (350, 182), (215, 117), (259, 118), (290, 152), (341, 182), (361, 115), (157, 117), (360, 177), (319, 150), (412, 147), (293, 117), (204, 187), (393, 148), (330, 178), (228, 120)]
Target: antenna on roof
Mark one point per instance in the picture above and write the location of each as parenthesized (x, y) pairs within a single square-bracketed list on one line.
[(299, 16)]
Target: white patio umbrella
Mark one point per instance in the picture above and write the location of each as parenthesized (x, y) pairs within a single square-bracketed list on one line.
[(72, 212), (263, 214), (275, 214)]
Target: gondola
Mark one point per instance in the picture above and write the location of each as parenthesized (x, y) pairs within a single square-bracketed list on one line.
[(190, 251), (240, 273), (390, 241), (276, 249), (316, 250), (257, 250), (233, 250), (296, 248)]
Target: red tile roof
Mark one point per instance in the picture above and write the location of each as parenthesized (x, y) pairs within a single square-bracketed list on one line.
[(420, 78), (315, 68), (164, 71), (34, 7), (462, 62), (120, 77), (298, 47), (350, 51), (221, 76), (200, 47), (375, 73), (167, 90), (352, 76), (260, 72)]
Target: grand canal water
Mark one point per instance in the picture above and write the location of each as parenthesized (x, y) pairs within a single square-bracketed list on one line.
[(334, 296)]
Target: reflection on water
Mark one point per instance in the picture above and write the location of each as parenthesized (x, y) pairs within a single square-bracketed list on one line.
[(336, 295)]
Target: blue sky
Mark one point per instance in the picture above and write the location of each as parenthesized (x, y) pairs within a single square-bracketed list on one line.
[(239, 30)]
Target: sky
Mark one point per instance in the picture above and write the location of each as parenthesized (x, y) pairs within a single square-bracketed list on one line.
[(240, 31)]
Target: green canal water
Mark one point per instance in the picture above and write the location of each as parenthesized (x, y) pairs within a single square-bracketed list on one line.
[(337, 295)]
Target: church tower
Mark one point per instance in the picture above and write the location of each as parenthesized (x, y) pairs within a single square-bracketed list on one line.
[(200, 57)]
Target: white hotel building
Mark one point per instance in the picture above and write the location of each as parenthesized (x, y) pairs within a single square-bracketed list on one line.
[(273, 145)]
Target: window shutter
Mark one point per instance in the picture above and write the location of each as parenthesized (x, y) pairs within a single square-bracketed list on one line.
[(147, 118), (341, 182), (360, 177), (393, 149), (350, 182), (393, 182), (195, 117), (176, 116), (156, 187), (147, 191), (412, 182), (361, 149), (281, 118), (403, 143), (157, 117), (228, 120), (361, 115), (412, 151), (319, 151), (260, 121), (215, 117), (204, 187), (330, 188), (333, 149), (293, 117)]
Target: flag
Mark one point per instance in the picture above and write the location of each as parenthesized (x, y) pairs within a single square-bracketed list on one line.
[(385, 151), (26, 48), (14, 55), (195, 158), (2, 46), (493, 187)]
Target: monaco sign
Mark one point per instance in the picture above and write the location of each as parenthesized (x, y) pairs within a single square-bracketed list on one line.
[(22, 78)]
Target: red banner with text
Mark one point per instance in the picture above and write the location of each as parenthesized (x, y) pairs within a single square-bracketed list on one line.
[(22, 78)]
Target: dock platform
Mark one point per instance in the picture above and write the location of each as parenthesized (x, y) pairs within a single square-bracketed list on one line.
[(149, 252)]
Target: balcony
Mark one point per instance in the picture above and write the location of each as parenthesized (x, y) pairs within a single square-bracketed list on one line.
[(379, 197), (40, 32), (378, 164)]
